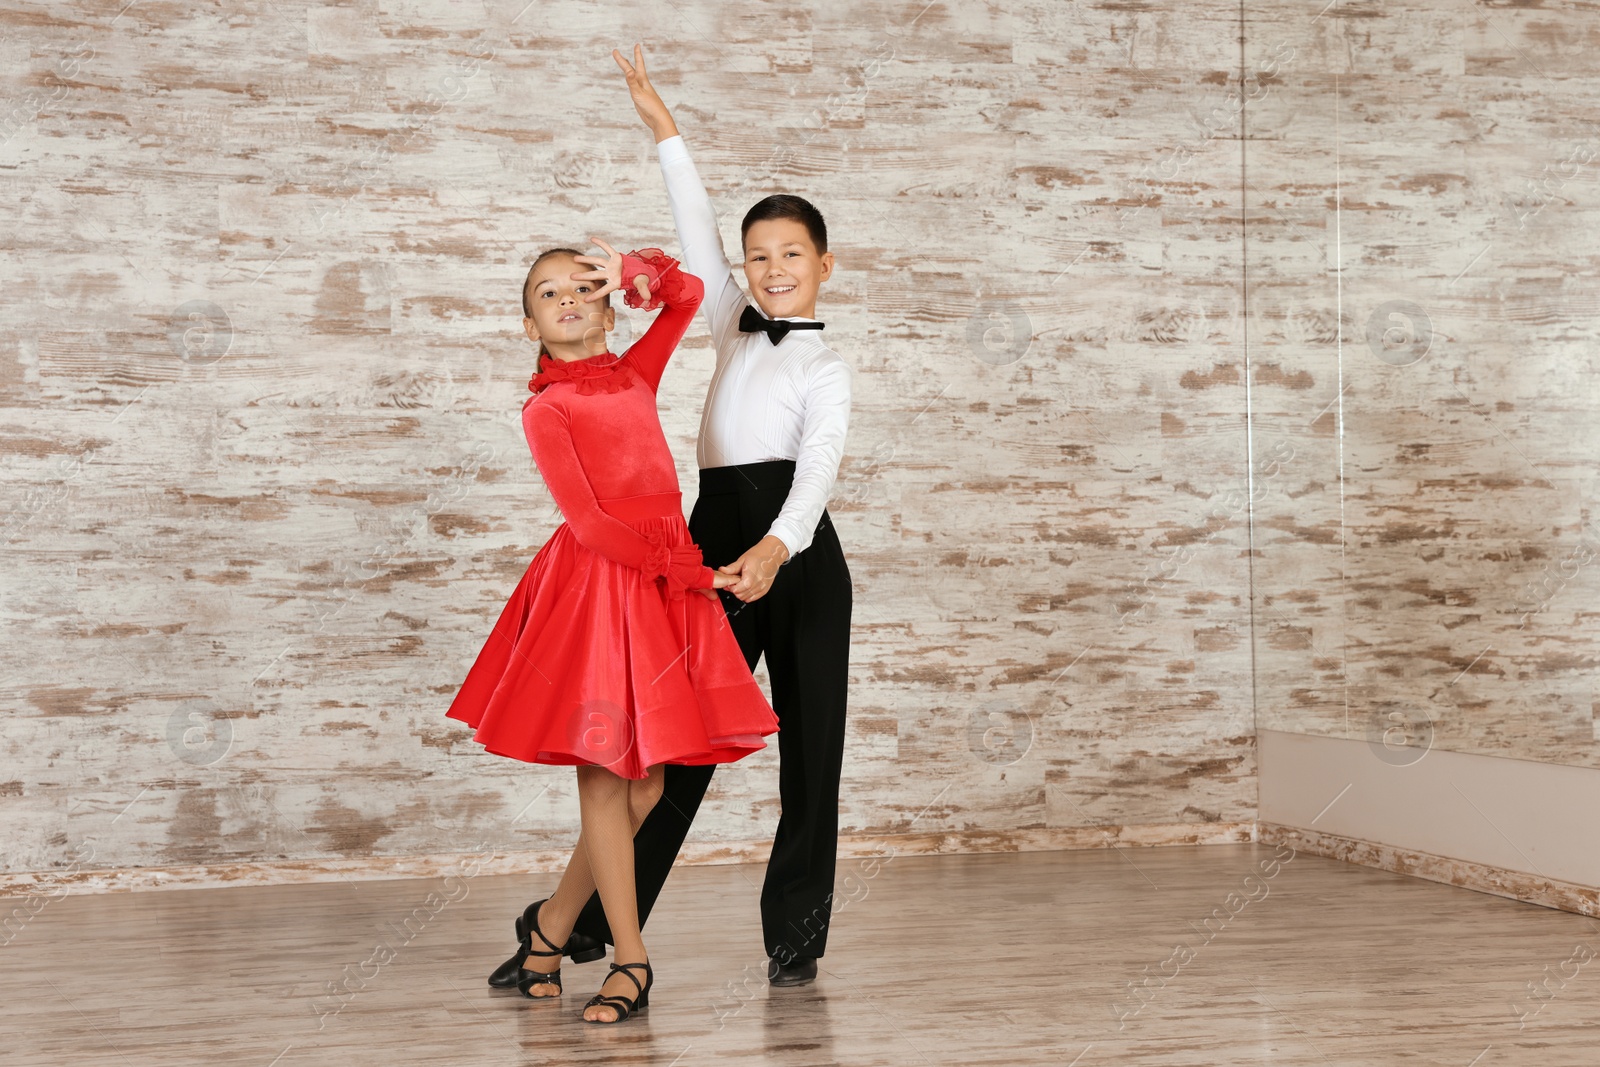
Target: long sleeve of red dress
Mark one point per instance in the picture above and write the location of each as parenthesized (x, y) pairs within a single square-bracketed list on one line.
[(679, 291), (623, 463)]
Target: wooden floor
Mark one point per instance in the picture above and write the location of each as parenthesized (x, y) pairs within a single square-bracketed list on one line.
[(1316, 963)]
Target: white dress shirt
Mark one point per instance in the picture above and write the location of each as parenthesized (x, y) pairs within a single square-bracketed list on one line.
[(785, 401)]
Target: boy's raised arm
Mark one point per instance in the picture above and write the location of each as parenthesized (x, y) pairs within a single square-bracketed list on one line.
[(701, 241), (692, 212)]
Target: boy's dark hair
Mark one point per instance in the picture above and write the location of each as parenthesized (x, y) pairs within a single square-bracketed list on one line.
[(784, 206), (527, 307)]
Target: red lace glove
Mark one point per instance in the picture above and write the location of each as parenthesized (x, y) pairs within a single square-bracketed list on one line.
[(661, 270), (680, 566)]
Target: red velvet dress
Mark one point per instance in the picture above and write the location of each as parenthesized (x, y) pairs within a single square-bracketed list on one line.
[(604, 654)]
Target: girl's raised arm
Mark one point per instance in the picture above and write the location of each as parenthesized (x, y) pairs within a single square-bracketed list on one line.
[(647, 279), (680, 293)]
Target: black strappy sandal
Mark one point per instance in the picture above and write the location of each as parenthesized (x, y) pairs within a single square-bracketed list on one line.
[(623, 1006), (580, 947), (527, 978)]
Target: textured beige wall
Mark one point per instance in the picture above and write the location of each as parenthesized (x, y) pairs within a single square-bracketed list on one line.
[(266, 486), (1422, 199)]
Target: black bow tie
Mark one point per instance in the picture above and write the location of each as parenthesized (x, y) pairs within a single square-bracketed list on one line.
[(752, 320)]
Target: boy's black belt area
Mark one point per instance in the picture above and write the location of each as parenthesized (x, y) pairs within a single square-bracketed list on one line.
[(765, 476)]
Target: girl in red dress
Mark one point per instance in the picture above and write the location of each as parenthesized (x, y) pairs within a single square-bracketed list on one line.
[(614, 652)]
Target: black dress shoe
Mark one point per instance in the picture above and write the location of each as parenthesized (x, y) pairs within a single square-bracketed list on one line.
[(581, 947), (798, 971)]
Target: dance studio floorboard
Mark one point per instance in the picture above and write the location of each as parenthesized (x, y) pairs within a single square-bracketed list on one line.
[(1002, 959)]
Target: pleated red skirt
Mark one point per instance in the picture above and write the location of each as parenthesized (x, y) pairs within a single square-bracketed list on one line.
[(592, 663)]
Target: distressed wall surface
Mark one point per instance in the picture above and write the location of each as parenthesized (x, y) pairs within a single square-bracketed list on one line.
[(266, 487), (1421, 209)]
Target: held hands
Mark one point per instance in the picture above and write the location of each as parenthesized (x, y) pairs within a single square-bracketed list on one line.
[(645, 98), (608, 270), (754, 571), (719, 580)]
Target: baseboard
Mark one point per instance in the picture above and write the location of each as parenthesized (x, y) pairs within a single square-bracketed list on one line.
[(1515, 828), (546, 861), (1500, 881)]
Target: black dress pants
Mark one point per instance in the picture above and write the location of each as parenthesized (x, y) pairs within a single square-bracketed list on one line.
[(802, 626)]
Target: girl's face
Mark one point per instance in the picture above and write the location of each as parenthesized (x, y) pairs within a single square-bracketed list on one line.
[(569, 327), (783, 268)]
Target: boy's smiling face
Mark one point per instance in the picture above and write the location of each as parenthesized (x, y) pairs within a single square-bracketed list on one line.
[(783, 268)]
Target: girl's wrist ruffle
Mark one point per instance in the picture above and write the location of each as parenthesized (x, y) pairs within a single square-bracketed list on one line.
[(687, 571), (657, 560), (681, 566), (661, 270)]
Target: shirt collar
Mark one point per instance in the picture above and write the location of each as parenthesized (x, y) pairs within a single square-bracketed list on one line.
[(781, 318)]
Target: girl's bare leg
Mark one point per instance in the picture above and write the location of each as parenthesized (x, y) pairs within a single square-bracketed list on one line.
[(608, 840), (558, 914)]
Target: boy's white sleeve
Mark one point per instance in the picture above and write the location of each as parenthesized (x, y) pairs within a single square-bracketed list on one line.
[(827, 420), (701, 243)]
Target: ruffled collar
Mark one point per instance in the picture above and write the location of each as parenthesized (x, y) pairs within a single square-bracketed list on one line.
[(604, 372)]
